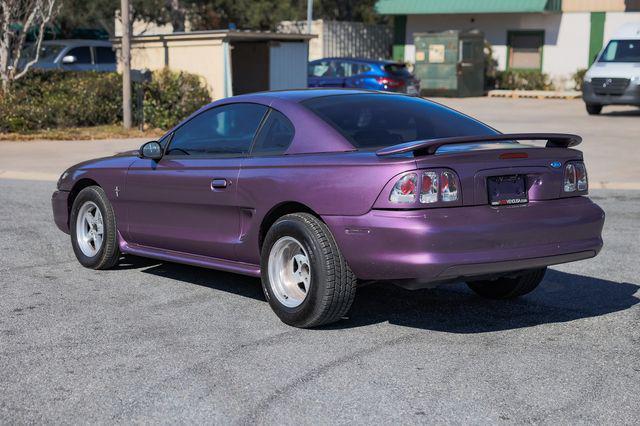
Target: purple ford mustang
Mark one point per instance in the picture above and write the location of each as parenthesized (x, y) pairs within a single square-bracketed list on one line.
[(317, 191)]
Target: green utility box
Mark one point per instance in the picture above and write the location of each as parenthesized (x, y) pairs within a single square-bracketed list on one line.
[(450, 63)]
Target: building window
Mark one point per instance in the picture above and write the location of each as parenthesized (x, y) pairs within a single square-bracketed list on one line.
[(525, 49)]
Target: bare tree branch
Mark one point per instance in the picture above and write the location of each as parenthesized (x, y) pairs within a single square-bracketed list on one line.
[(17, 19), (46, 16)]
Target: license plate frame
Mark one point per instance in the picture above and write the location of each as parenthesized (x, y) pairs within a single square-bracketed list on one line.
[(507, 190)]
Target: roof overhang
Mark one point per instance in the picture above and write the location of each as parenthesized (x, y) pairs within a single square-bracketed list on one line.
[(423, 7), (228, 35)]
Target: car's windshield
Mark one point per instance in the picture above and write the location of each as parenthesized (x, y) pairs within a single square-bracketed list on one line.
[(378, 120), (621, 51), (48, 52)]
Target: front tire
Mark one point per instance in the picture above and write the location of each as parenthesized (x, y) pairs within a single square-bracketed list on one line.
[(508, 287), (594, 109), (93, 229), (305, 278)]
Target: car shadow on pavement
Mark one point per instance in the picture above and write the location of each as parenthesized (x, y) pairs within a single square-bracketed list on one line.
[(561, 297), (452, 308), (216, 280)]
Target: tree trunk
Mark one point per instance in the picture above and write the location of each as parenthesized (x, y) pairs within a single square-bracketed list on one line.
[(178, 15)]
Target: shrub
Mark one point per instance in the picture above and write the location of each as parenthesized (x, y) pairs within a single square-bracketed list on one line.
[(578, 78), (523, 80), (48, 99), (490, 67), (171, 96), (57, 99)]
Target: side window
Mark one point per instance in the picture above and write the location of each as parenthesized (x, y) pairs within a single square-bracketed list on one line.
[(82, 54), (275, 136), (321, 69), (105, 55), (362, 68), (348, 69), (227, 130), (343, 69)]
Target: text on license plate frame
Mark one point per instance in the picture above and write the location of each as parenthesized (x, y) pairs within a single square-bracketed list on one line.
[(507, 190)]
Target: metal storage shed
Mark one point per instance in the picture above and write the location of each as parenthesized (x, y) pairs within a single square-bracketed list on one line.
[(231, 62)]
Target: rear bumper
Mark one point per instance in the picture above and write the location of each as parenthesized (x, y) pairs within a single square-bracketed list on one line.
[(631, 96), (60, 207), (435, 245)]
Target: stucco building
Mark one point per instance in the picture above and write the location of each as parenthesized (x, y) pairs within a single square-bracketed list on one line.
[(230, 62), (557, 37)]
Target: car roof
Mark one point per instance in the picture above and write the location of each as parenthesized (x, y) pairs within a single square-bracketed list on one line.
[(78, 42), (299, 95), (362, 60), (628, 31)]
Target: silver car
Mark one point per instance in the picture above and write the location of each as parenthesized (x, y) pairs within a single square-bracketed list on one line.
[(74, 55)]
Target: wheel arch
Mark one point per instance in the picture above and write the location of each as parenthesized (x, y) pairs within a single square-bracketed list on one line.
[(75, 190), (279, 210)]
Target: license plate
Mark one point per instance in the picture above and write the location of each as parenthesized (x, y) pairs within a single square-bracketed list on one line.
[(507, 190), (412, 90)]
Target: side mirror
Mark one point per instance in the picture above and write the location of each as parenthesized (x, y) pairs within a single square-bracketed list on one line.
[(69, 59), (151, 150)]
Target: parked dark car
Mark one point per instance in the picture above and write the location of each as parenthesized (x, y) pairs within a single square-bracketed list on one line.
[(316, 191), (362, 74), (73, 55)]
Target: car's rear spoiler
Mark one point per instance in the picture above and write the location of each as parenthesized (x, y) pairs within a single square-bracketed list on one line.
[(430, 146)]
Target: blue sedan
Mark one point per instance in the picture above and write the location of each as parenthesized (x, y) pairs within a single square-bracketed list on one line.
[(362, 74)]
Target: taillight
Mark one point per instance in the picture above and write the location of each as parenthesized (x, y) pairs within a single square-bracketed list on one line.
[(569, 178), (436, 187), (390, 82), (575, 177), (581, 177), (405, 190), (429, 191), (449, 186)]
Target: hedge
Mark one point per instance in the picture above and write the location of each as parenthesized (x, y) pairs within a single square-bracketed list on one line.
[(523, 80), (56, 99), (170, 97), (578, 78)]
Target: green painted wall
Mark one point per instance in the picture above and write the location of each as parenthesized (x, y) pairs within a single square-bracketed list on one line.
[(399, 37), (596, 36)]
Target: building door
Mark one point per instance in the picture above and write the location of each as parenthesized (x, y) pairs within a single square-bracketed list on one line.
[(288, 65), (250, 66), (525, 50)]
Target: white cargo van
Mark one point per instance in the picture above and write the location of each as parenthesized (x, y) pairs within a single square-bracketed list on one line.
[(614, 78)]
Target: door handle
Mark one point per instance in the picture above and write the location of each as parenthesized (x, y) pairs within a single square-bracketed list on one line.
[(219, 183)]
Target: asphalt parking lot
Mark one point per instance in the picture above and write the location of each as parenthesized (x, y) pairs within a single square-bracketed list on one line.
[(166, 343)]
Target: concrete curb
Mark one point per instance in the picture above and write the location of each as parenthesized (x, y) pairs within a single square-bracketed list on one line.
[(17, 175), (534, 94)]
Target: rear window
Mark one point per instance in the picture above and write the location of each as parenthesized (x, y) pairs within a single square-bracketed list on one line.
[(397, 69), (377, 120)]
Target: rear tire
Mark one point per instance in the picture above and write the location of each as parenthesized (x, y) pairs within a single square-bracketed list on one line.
[(508, 287), (93, 229), (305, 278), (594, 109)]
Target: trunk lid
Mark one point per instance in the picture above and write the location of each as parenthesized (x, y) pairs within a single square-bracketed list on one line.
[(542, 168)]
